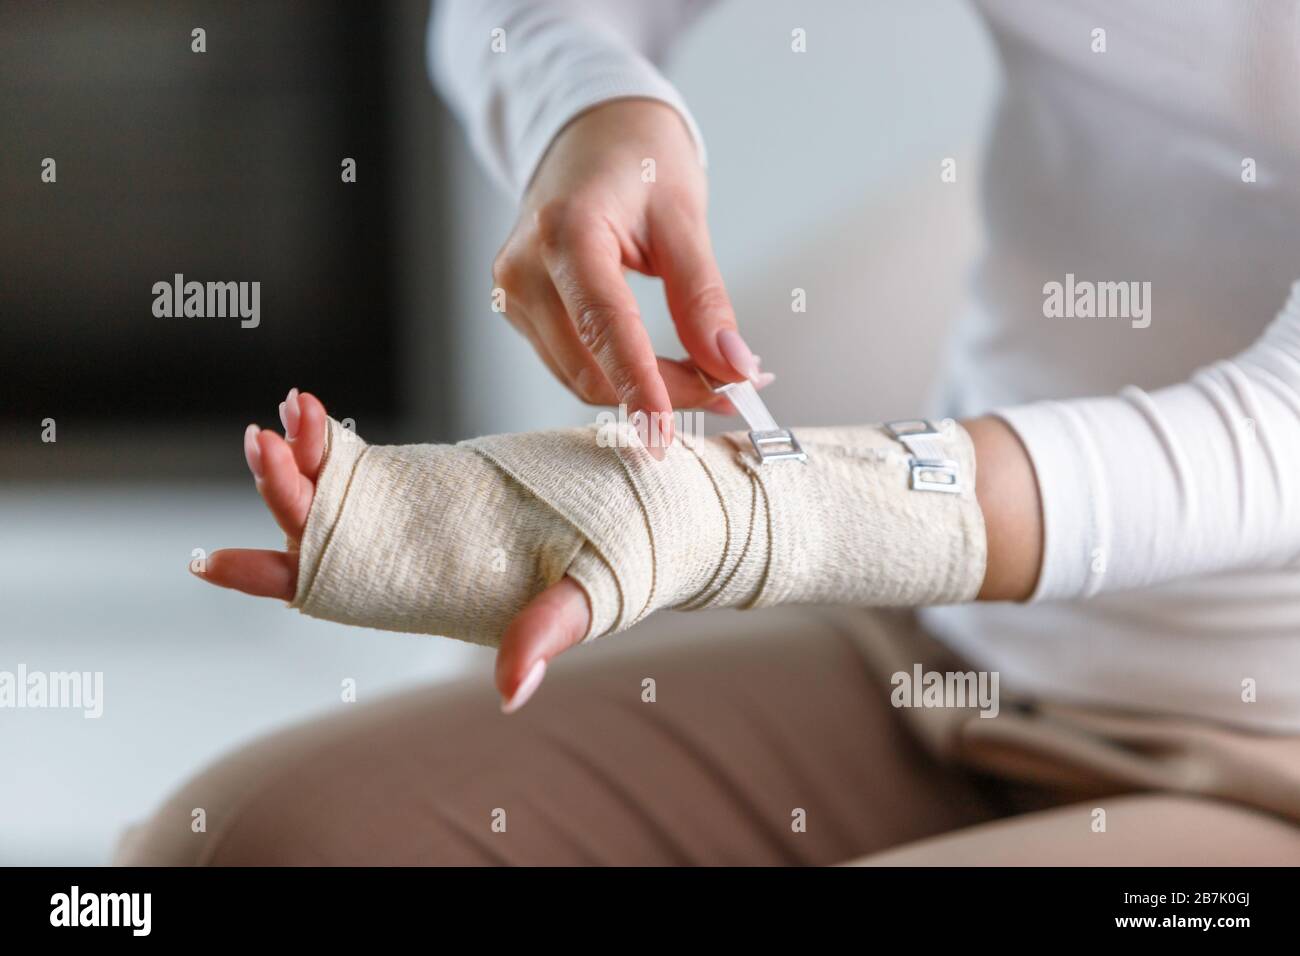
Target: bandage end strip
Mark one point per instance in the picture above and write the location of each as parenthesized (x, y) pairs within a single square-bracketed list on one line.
[(771, 442)]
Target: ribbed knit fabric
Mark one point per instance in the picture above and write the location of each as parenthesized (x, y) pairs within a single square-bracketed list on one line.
[(454, 540)]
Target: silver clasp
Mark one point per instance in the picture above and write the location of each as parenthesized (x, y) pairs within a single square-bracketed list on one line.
[(777, 445), (928, 470)]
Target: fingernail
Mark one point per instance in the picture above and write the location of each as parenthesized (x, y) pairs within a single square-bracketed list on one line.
[(764, 379), (640, 423), (666, 433), (291, 414), (526, 688), (252, 453), (737, 353)]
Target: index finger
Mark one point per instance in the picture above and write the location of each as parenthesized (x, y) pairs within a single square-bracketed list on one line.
[(585, 264)]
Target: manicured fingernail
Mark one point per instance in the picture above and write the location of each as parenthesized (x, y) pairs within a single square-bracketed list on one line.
[(252, 453), (737, 353), (764, 379), (526, 689), (666, 433), (640, 423), (291, 414)]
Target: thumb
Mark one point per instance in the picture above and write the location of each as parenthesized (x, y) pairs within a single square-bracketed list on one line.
[(698, 300), (549, 624)]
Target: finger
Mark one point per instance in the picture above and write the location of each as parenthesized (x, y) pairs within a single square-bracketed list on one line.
[(697, 298), (272, 574), (309, 442), (556, 341), (585, 378), (722, 405), (290, 415), (550, 623), (584, 260), (286, 492), (546, 324), (578, 371), (547, 340), (685, 387), (555, 331), (522, 286)]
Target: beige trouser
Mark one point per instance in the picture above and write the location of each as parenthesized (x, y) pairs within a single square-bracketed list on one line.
[(770, 739)]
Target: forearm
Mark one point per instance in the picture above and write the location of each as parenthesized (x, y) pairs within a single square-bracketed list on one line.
[(1007, 491)]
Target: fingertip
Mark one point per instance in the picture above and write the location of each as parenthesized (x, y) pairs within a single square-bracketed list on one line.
[(650, 398), (271, 574), (686, 387), (737, 354), (549, 624), (291, 415), (253, 451), (667, 430), (309, 444), (205, 573), (275, 452), (310, 405), (648, 430), (526, 688)]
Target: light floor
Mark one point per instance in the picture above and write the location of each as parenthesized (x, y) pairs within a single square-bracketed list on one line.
[(95, 579)]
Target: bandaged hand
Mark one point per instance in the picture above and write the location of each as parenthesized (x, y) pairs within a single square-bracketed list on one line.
[(456, 539), (534, 542)]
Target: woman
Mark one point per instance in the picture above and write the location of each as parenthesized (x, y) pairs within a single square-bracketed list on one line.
[(1149, 711)]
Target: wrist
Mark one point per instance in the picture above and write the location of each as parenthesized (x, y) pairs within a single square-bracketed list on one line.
[(615, 134), (1007, 490)]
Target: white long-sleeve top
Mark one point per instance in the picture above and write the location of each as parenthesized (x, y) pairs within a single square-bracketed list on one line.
[(1166, 440)]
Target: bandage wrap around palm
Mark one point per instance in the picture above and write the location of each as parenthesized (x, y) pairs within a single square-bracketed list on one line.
[(455, 539)]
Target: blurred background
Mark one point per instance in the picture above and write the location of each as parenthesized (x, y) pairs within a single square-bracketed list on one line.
[(225, 166)]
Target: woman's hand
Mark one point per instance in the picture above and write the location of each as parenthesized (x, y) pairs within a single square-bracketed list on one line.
[(286, 469), (285, 472), (622, 188)]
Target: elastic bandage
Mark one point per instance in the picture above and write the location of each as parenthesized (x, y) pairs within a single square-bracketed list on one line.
[(455, 539)]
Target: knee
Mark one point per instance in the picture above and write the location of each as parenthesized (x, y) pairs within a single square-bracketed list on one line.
[(364, 786), (181, 832), (192, 824)]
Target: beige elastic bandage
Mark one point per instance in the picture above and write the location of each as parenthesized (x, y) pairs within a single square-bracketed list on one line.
[(455, 539)]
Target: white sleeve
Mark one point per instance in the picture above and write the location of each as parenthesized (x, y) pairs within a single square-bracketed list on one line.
[(517, 71), (1196, 478)]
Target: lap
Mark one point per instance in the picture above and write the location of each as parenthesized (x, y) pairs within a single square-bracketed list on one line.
[(756, 718), (1151, 829)]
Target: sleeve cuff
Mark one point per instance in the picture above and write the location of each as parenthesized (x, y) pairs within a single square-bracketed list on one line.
[(1072, 490), (637, 80)]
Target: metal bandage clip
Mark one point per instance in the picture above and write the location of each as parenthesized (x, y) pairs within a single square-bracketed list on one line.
[(930, 470), (771, 442)]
